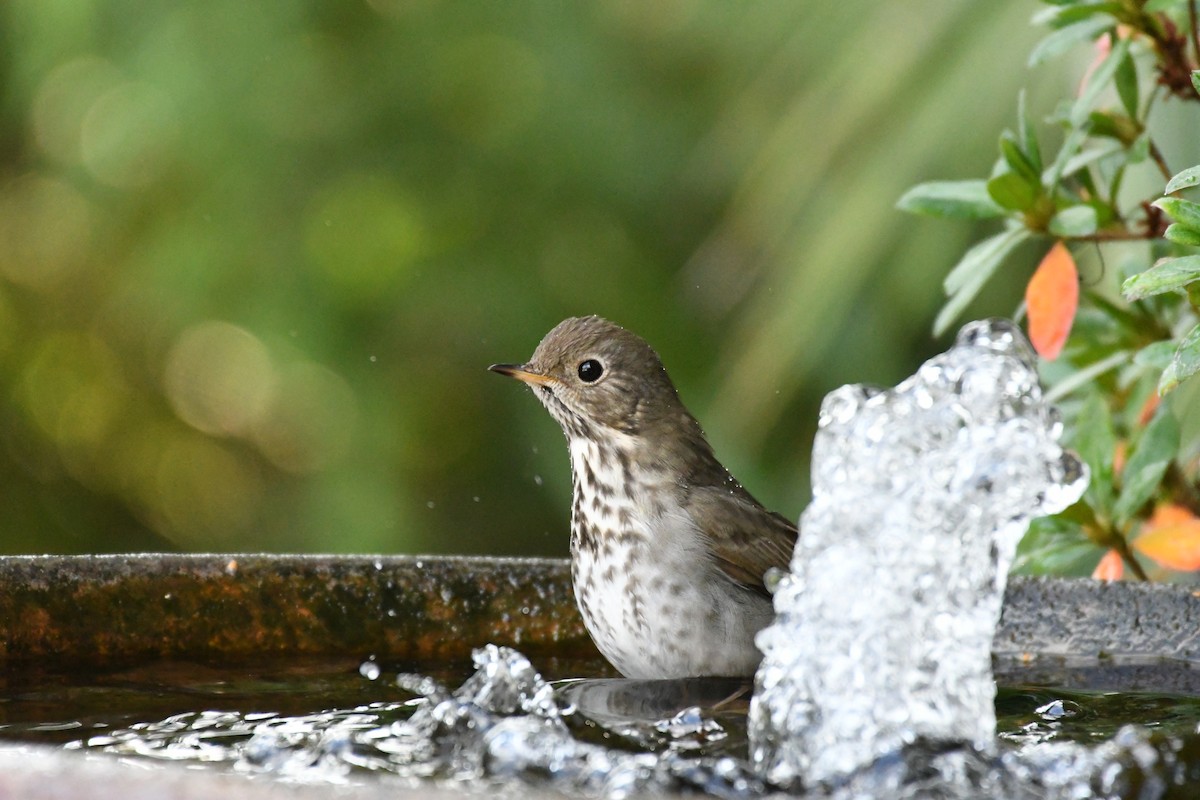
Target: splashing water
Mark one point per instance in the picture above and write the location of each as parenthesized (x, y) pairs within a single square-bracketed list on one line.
[(504, 723), (876, 680), (883, 630)]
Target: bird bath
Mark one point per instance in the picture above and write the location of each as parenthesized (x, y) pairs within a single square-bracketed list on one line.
[(877, 678), (170, 634)]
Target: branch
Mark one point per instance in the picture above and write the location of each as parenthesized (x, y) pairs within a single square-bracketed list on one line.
[(1157, 155), (1122, 547)]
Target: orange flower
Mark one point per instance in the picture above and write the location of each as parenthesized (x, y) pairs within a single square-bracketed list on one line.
[(1110, 568), (1171, 537), (1051, 299)]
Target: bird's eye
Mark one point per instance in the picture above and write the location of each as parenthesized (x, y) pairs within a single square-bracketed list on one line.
[(590, 370)]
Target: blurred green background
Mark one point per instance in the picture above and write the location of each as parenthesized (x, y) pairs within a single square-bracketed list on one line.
[(255, 257)]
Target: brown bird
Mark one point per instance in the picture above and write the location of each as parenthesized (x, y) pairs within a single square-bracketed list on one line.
[(668, 551)]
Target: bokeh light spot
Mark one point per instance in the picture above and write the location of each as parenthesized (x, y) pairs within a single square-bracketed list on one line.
[(63, 100), (219, 378), (206, 494), (363, 236), (45, 231), (71, 388), (128, 135), (311, 422)]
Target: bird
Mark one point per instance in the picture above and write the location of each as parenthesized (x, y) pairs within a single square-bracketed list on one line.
[(669, 553)]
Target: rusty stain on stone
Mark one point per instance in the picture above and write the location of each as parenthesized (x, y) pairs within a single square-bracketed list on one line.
[(100, 611), (92, 612)]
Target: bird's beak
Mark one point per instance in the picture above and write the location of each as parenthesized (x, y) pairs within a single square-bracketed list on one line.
[(519, 372)]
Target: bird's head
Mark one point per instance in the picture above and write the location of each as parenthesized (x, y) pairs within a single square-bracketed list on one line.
[(594, 375)]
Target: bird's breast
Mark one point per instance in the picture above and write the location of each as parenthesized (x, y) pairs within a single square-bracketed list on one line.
[(645, 581)]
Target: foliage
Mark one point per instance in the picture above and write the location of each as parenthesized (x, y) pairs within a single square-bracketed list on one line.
[(255, 257), (1107, 189)]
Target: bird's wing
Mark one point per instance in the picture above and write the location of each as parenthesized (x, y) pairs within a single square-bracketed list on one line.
[(746, 539)]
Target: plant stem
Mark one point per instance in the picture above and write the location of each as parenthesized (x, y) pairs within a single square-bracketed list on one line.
[(1151, 99), (1157, 155), (1122, 547)]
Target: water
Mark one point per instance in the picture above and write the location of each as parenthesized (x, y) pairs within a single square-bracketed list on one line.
[(920, 495), (319, 721), (877, 680)]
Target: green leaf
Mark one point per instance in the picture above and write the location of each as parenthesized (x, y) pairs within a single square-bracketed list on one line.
[(1104, 125), (984, 257), (953, 199), (1064, 39), (1017, 160), (1095, 440), (1165, 276), (1029, 143), (1073, 221), (1116, 125), (1196, 80), (1182, 234), (1185, 364), (1127, 85), (1098, 82), (1065, 12), (1055, 546), (1089, 157), (1070, 147), (1013, 192), (972, 272), (1088, 9), (1156, 355), (1184, 180), (1185, 212), (958, 302), (1147, 464), (1139, 150)]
